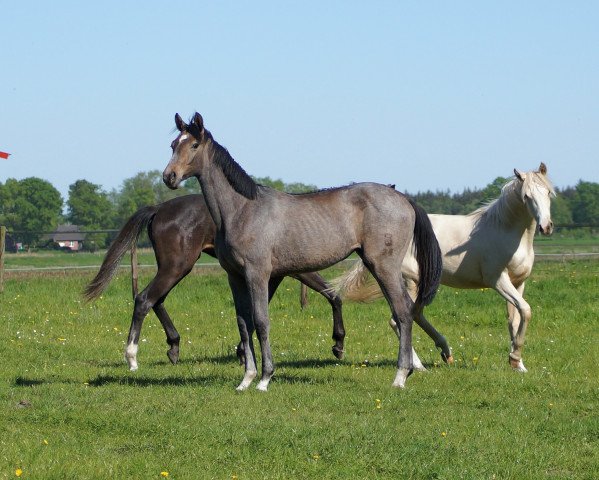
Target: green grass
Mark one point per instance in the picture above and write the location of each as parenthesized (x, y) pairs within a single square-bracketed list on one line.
[(87, 416), (60, 259)]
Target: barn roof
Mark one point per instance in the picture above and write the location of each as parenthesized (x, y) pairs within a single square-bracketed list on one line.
[(67, 233)]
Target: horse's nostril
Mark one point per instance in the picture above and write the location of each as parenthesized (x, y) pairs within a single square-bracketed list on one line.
[(168, 178)]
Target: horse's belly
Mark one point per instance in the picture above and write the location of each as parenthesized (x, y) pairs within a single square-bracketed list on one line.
[(306, 258), (456, 282), (462, 272)]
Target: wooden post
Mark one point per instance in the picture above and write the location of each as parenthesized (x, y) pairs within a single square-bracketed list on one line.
[(2, 243)]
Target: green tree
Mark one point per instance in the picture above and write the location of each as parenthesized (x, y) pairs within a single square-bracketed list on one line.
[(278, 184), (90, 208), (585, 204), (561, 212), (493, 189), (136, 192), (297, 187), (31, 205), (146, 188), (269, 182)]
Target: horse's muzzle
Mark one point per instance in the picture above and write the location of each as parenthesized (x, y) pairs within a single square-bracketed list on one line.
[(170, 179), (547, 229)]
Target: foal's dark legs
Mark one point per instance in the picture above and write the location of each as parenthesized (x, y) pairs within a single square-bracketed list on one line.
[(152, 297), (172, 336), (317, 283)]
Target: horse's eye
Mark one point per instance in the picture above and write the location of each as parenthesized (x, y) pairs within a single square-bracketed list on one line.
[(195, 145)]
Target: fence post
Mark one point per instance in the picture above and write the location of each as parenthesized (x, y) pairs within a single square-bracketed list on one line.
[(2, 243)]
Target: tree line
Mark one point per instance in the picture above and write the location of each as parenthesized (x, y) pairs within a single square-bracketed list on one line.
[(33, 205)]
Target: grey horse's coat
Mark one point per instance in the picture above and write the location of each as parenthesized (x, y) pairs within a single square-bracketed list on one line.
[(262, 233)]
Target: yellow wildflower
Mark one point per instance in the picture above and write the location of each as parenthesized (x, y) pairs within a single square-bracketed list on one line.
[(18, 472), (164, 474)]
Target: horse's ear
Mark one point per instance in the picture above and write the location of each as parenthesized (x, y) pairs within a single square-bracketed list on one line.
[(198, 121), (519, 174), (543, 169), (181, 125)]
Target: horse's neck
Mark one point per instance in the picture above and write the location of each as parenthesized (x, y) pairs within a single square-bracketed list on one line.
[(221, 199), (514, 216)]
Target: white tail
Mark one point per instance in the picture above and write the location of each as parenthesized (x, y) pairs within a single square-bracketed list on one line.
[(357, 285)]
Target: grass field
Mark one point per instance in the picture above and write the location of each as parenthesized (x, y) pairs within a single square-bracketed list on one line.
[(69, 408)]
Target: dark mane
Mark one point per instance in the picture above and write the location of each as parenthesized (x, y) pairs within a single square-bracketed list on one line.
[(241, 182)]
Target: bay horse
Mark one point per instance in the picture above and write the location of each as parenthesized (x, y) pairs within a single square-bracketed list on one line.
[(491, 247), (263, 234), (181, 229)]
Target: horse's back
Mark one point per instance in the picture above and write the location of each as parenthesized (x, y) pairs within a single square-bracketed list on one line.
[(318, 229), (353, 211), (181, 229)]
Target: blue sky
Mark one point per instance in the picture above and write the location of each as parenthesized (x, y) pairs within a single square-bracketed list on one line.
[(426, 95)]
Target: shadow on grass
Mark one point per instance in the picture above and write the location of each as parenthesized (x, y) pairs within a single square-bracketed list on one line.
[(28, 382), (172, 381)]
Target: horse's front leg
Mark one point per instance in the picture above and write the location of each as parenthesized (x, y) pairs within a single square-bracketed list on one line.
[(519, 315), (273, 284), (514, 323), (259, 294), (243, 310)]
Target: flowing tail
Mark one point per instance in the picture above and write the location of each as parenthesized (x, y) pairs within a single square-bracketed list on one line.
[(355, 285), (126, 239), (428, 256)]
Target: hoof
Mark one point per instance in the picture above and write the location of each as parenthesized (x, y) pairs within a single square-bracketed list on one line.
[(338, 352), (447, 360), (262, 388), (133, 368), (173, 356), (518, 365), (401, 377)]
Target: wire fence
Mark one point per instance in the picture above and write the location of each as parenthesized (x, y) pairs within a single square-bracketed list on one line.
[(555, 248)]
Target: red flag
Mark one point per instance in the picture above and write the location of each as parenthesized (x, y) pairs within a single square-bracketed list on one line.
[(4, 155)]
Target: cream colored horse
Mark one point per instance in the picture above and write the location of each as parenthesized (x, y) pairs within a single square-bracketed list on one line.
[(488, 248)]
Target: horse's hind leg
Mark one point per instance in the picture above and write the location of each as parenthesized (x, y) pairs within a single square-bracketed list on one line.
[(172, 335), (153, 294), (420, 319), (140, 310), (386, 272), (318, 284)]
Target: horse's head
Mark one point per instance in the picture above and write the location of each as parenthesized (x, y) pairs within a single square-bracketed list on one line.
[(536, 192), (188, 151)]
